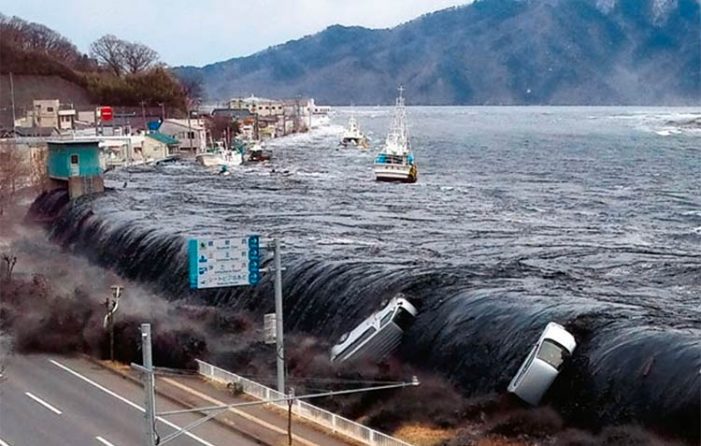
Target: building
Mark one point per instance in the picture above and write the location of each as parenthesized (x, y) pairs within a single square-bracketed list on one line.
[(49, 113), (190, 132), (235, 114), (158, 146), (75, 165), (259, 106), (45, 113)]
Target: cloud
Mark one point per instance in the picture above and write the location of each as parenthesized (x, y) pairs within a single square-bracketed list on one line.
[(197, 33)]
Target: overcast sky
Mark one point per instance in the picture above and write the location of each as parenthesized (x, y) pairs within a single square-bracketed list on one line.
[(198, 32)]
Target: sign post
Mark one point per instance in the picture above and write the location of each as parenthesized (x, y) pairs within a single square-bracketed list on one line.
[(224, 262), (235, 262), (106, 114)]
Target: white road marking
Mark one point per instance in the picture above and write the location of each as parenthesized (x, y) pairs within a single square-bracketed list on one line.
[(103, 441), (43, 403), (2, 443), (126, 401)]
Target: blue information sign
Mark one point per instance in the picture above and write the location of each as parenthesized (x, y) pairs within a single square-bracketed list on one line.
[(224, 262)]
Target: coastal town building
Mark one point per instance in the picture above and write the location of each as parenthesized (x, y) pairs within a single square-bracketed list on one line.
[(49, 113), (191, 133), (75, 166), (158, 146)]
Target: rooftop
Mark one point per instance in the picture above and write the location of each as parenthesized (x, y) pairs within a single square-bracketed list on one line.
[(195, 124), (165, 139)]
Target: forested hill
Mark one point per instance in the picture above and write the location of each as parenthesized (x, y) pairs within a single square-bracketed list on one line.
[(488, 52)]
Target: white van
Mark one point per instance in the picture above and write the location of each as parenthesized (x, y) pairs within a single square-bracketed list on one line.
[(378, 335), (543, 364)]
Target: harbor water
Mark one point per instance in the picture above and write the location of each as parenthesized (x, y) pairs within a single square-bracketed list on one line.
[(590, 217)]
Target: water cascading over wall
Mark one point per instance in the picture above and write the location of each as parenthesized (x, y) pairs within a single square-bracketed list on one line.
[(473, 326)]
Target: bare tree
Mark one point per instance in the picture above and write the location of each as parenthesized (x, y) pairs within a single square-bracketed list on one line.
[(9, 261), (35, 37), (109, 51), (138, 57), (38, 169), (14, 173)]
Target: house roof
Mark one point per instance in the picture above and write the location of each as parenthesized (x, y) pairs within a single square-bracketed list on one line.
[(195, 124), (232, 112), (36, 131), (165, 139)]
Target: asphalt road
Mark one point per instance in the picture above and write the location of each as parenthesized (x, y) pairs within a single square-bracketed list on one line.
[(47, 401)]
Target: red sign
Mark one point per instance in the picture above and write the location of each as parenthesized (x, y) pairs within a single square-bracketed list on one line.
[(105, 113)]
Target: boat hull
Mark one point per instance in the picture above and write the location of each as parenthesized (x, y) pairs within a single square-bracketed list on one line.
[(355, 142), (400, 173), (213, 160)]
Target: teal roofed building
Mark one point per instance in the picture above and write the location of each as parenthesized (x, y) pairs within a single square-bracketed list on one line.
[(75, 165), (158, 146)]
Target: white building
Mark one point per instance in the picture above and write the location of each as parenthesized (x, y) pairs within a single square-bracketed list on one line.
[(192, 135), (49, 113), (260, 106)]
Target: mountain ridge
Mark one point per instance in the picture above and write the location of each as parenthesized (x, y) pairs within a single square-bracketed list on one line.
[(492, 52)]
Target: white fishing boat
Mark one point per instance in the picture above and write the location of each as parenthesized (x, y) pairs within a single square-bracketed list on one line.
[(396, 161), (220, 157), (353, 136)]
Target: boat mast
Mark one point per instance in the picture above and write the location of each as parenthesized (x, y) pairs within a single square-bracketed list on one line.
[(400, 121)]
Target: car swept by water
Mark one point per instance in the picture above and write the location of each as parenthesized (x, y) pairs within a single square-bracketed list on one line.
[(378, 335), (543, 364)]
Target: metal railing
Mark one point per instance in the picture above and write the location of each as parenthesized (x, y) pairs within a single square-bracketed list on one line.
[(309, 412)]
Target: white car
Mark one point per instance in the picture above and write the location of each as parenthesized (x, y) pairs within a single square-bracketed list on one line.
[(543, 364), (378, 335)]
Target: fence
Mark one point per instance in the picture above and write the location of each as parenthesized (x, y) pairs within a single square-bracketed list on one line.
[(321, 417)]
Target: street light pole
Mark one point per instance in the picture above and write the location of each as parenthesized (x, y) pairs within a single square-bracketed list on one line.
[(280, 342), (149, 386)]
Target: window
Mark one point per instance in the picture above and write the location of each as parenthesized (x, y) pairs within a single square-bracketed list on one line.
[(190, 135), (74, 159), (49, 109), (525, 366), (386, 318), (552, 353)]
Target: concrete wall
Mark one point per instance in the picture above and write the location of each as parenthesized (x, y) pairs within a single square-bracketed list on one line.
[(31, 161)]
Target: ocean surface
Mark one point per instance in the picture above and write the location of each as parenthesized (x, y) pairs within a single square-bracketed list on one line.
[(590, 217)]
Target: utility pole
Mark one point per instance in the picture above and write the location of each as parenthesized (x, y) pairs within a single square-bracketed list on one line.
[(289, 416), (112, 303), (143, 115), (149, 386), (280, 342), (190, 133), (12, 97)]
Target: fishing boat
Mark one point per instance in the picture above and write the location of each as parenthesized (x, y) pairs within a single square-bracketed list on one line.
[(220, 156), (396, 161), (353, 136), (257, 154)]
